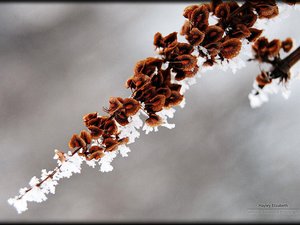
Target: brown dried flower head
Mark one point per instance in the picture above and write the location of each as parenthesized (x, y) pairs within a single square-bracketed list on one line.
[(96, 155), (110, 127), (95, 148), (255, 33), (153, 120), (131, 106), (76, 142), (195, 36), (88, 117), (274, 47), (231, 48), (213, 34), (86, 136), (96, 132), (186, 62), (187, 12), (157, 103), (114, 105), (199, 17), (263, 79), (174, 100), (110, 144), (222, 10), (267, 11), (121, 117), (287, 45), (240, 31)]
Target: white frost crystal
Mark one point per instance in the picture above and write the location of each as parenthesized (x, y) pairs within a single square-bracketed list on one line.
[(105, 161), (124, 150), (259, 96), (131, 129)]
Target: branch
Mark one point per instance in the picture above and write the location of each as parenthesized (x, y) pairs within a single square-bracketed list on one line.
[(282, 67)]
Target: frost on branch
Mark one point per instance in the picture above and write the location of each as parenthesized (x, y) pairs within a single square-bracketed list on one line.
[(277, 75), (216, 33), (259, 96)]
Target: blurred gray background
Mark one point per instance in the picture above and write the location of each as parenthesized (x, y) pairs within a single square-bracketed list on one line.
[(61, 61)]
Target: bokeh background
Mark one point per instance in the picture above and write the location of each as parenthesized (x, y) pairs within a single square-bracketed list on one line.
[(61, 61)]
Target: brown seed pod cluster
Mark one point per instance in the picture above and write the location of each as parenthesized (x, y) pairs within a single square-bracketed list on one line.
[(222, 40), (269, 52), (264, 8), (151, 83), (264, 51), (99, 127)]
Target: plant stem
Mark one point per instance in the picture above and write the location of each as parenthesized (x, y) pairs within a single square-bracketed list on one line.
[(282, 67)]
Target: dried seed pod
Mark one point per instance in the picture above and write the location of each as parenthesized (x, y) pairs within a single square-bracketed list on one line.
[(148, 66), (175, 87), (261, 46), (263, 79), (166, 91), (148, 93), (274, 47), (174, 99), (287, 45), (213, 34), (255, 33), (170, 38), (185, 29), (96, 132), (231, 48), (95, 148), (195, 37), (209, 62), (185, 62), (158, 40), (222, 11), (214, 4), (167, 76), (240, 31), (180, 75), (157, 79), (121, 118), (110, 144), (199, 16), (209, 7), (110, 127), (123, 141), (184, 48), (140, 80), (131, 106), (233, 5), (213, 48), (193, 72), (76, 142), (248, 18), (167, 52), (153, 120), (157, 103), (89, 116), (259, 3), (94, 122), (96, 156), (187, 12), (267, 11), (114, 105), (86, 136)]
